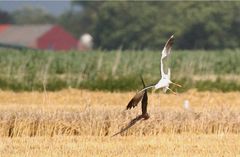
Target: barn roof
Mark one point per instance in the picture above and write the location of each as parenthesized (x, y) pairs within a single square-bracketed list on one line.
[(24, 35), (4, 27)]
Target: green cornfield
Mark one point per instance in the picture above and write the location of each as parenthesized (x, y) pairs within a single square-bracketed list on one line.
[(30, 70)]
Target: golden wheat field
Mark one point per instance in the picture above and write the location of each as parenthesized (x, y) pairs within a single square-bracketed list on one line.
[(81, 123)]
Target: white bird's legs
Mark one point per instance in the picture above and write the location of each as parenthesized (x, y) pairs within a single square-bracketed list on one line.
[(171, 90), (176, 84)]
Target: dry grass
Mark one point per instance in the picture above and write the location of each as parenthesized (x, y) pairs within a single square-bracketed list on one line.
[(106, 122), (80, 123), (165, 145), (73, 112)]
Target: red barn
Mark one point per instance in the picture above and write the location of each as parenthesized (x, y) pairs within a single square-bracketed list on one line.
[(50, 37)]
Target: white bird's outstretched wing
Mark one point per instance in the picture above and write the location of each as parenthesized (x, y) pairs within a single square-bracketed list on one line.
[(165, 52), (169, 74)]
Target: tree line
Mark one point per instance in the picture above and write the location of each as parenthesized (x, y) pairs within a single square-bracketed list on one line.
[(145, 25)]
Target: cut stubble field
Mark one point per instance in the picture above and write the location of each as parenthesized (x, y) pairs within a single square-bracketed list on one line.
[(80, 123), (151, 146)]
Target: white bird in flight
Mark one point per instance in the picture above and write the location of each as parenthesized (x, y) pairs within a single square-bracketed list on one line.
[(165, 81)]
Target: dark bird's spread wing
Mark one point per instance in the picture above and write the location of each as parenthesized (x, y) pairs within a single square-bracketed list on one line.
[(144, 103), (132, 122), (137, 97), (144, 99), (143, 82), (135, 100)]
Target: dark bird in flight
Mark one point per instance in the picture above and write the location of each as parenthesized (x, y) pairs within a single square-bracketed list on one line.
[(133, 103)]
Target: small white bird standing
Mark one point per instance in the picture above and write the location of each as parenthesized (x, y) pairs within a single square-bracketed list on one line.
[(186, 105), (165, 81)]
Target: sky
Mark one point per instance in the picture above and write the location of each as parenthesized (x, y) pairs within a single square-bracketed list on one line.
[(55, 8)]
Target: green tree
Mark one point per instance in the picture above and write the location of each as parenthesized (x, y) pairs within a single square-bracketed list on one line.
[(72, 22), (140, 25), (210, 25), (83, 20), (129, 25), (5, 17), (32, 15)]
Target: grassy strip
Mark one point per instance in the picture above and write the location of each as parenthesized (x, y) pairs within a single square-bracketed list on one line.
[(115, 71)]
